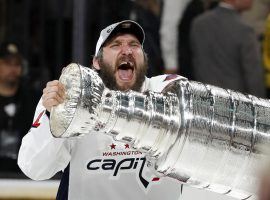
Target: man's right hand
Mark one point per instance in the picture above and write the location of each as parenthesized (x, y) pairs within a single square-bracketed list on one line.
[(53, 94)]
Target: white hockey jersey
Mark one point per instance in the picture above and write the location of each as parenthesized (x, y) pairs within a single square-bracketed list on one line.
[(99, 167)]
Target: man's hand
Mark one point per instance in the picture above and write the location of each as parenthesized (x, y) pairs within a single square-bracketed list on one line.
[(53, 94)]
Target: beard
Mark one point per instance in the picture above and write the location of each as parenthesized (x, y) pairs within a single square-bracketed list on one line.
[(107, 72)]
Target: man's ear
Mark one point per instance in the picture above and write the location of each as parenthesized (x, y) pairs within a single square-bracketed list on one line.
[(96, 64)]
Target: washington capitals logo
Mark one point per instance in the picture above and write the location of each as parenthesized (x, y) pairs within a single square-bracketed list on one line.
[(116, 163)]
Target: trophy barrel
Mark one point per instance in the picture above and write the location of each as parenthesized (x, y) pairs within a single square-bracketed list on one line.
[(226, 133), (202, 135)]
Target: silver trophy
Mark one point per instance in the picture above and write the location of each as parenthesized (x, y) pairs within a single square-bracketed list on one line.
[(201, 135)]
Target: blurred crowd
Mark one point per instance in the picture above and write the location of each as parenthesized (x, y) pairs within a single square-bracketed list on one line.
[(224, 43)]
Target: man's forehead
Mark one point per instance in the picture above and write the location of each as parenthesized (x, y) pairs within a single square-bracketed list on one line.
[(123, 37)]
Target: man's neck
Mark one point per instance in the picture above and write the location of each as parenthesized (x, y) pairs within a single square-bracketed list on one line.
[(8, 91)]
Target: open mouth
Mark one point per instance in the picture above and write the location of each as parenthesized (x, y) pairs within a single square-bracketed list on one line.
[(125, 70)]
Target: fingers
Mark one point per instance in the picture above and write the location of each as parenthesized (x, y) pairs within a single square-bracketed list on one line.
[(60, 91), (55, 83), (53, 94)]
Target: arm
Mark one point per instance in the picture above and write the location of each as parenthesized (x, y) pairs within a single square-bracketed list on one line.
[(41, 155), (251, 63)]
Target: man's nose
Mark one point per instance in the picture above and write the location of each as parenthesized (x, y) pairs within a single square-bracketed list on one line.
[(126, 50)]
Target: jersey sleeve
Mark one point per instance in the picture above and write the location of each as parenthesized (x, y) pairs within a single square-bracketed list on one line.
[(41, 155)]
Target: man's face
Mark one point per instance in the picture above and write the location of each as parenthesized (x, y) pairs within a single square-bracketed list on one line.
[(242, 5), (10, 72), (123, 64)]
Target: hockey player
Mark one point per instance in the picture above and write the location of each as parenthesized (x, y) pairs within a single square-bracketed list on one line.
[(95, 166)]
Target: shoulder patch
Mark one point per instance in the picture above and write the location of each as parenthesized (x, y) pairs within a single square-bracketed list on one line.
[(170, 77)]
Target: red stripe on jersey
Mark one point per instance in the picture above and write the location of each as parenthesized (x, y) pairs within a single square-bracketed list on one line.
[(36, 123), (155, 179)]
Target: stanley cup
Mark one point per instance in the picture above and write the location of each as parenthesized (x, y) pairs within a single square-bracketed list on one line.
[(201, 135)]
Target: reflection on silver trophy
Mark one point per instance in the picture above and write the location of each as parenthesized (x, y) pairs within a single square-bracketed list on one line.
[(201, 135)]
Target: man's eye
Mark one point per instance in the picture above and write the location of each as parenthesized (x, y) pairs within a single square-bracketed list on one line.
[(135, 44), (115, 45)]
